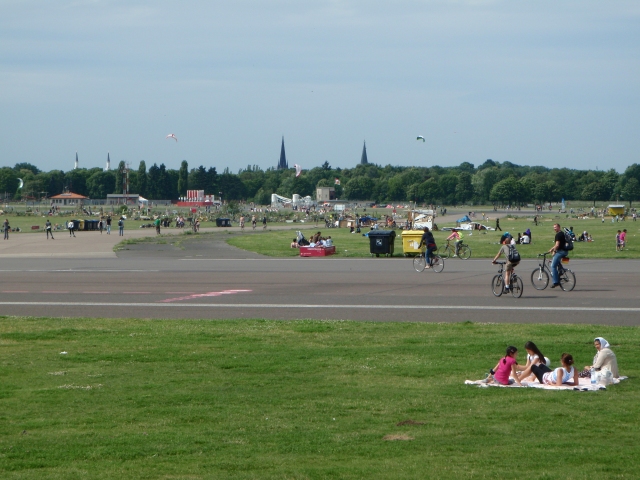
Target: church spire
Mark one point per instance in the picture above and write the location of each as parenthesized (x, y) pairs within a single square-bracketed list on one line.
[(108, 163), (282, 164), (363, 159)]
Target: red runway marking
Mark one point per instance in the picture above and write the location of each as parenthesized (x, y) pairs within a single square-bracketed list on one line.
[(200, 295)]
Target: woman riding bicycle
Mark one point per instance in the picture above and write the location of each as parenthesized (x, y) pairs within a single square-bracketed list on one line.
[(430, 243), (506, 247), (457, 237)]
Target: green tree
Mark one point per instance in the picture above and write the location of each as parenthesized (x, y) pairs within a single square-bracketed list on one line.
[(547, 192), (26, 166), (8, 182), (100, 184), (464, 188), (631, 190), (359, 188), (183, 179), (594, 191), (505, 191), (430, 191), (143, 187)]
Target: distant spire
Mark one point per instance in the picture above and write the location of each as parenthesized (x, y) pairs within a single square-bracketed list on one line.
[(75, 166), (282, 164), (108, 163), (363, 159)]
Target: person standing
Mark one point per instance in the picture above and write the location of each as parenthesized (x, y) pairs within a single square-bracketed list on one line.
[(156, 223), (264, 222), (47, 228), (6, 228), (101, 225), (108, 224), (121, 227), (559, 252), (70, 226)]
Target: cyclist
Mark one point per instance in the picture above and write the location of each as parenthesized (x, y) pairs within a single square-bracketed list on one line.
[(242, 222), (253, 222), (457, 236), (506, 247), (429, 242), (559, 252)]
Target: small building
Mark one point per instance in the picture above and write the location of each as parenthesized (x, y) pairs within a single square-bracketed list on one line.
[(325, 194), (616, 209), (68, 198)]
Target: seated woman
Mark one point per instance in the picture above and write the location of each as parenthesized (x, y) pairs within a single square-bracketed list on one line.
[(534, 357), (561, 376), (505, 368), (605, 358), (294, 243)]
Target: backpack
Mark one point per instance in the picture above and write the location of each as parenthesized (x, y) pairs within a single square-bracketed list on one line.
[(514, 256), (120, 223), (568, 241)]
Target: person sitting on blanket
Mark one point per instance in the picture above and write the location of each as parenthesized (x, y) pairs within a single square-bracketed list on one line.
[(534, 356), (560, 377), (605, 358), (505, 367)]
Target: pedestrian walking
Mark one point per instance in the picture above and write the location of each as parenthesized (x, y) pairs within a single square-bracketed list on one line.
[(498, 224), (6, 228), (47, 228), (70, 226), (108, 224)]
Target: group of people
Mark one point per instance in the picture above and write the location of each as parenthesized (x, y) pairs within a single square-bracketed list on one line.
[(317, 240), (537, 367), (621, 240)]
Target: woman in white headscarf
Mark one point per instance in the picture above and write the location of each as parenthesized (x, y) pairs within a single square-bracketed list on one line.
[(605, 358)]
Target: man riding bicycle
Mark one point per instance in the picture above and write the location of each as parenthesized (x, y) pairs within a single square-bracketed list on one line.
[(559, 251), (430, 244), (457, 236)]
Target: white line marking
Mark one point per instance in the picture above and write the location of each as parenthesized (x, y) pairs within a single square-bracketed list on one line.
[(327, 307)]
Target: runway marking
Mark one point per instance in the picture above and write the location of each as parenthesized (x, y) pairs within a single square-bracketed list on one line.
[(518, 308), (101, 293), (15, 291), (53, 291), (135, 293), (199, 295)]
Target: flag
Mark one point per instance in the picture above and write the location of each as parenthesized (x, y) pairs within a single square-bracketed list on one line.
[(337, 182)]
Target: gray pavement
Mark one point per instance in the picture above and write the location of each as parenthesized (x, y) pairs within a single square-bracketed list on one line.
[(208, 279)]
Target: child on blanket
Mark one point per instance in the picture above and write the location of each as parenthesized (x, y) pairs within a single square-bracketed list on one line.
[(505, 367), (560, 377), (534, 355)]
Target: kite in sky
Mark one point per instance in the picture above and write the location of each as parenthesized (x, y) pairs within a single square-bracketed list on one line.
[(420, 137), (171, 135), (337, 181), (298, 169), (21, 183)]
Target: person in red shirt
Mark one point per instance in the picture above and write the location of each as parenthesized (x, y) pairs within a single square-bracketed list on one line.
[(506, 367)]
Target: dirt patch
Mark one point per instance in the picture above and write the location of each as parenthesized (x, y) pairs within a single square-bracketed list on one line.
[(408, 422), (392, 438)]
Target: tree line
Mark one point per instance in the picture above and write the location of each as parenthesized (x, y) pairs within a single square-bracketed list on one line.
[(491, 182)]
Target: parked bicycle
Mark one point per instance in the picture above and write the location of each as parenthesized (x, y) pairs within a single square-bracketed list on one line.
[(464, 251), (540, 276), (420, 263), (515, 283)]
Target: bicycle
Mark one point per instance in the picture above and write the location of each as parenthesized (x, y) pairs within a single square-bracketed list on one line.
[(515, 283), (436, 264), (464, 251), (540, 276)]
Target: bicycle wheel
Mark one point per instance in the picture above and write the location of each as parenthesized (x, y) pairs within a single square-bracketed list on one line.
[(464, 252), (516, 286), (419, 263), (437, 263), (539, 279), (497, 285), (444, 252), (567, 280)]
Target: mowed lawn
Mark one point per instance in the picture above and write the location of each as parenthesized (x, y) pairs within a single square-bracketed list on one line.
[(484, 244), (303, 399)]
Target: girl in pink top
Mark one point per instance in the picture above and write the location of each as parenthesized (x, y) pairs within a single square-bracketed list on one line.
[(506, 367)]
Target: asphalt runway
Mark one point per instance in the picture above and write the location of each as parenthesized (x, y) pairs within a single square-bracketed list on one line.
[(215, 281)]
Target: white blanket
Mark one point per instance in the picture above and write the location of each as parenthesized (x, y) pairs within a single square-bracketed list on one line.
[(585, 385)]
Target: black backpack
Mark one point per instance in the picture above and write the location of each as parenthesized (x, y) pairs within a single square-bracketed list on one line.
[(514, 256), (568, 241)]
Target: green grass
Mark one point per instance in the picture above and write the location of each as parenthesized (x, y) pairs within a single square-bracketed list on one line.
[(483, 245), (302, 399)]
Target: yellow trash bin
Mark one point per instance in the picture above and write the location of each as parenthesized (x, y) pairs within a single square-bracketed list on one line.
[(81, 225), (410, 241)]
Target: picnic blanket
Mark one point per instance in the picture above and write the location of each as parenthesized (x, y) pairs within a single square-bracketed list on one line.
[(584, 386)]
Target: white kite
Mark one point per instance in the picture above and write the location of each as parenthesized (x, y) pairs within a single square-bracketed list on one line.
[(171, 135), (21, 183), (298, 169), (420, 137)]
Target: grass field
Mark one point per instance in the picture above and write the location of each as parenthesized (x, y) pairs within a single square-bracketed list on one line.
[(483, 245), (302, 399)]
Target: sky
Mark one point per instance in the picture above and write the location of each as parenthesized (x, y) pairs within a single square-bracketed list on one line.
[(530, 82)]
